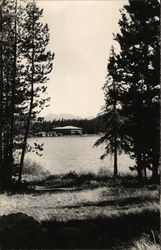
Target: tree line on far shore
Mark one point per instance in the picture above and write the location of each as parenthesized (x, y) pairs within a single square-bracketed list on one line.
[(132, 90), (89, 126)]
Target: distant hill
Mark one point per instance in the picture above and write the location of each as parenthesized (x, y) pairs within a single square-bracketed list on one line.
[(51, 117)]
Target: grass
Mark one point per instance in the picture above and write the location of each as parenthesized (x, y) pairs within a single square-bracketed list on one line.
[(131, 230), (35, 175), (103, 232), (94, 211), (144, 244), (34, 172), (85, 203), (86, 180), (101, 218)]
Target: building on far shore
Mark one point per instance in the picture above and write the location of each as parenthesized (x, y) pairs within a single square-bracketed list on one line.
[(68, 130), (40, 134), (45, 134)]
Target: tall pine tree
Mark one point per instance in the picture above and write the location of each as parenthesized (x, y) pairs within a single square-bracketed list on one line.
[(24, 66), (38, 66), (111, 115), (138, 74)]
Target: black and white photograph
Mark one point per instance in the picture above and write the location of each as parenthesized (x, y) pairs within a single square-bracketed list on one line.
[(80, 124)]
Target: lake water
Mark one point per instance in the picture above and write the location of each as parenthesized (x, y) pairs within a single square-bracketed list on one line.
[(75, 153)]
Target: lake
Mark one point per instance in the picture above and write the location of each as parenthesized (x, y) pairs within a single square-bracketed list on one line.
[(75, 153)]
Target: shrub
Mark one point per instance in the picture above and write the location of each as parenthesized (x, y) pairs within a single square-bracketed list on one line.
[(33, 171)]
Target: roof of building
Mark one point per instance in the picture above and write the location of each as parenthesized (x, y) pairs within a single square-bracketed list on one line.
[(40, 132), (68, 127)]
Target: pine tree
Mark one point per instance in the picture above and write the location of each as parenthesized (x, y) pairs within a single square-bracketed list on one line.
[(24, 65), (111, 115), (38, 66), (9, 92), (138, 63)]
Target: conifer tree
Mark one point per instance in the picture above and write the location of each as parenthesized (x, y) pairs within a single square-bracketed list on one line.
[(9, 70), (135, 69), (38, 66), (138, 64), (111, 115), (24, 65)]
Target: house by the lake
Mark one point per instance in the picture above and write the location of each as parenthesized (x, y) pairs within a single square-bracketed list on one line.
[(68, 130), (45, 134), (40, 134)]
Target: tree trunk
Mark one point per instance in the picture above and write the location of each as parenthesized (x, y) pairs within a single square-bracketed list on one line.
[(30, 111), (155, 166), (115, 133), (1, 101), (25, 138), (12, 108), (145, 174), (6, 146), (115, 159), (139, 168)]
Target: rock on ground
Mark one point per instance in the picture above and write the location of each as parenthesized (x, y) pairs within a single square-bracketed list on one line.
[(19, 231)]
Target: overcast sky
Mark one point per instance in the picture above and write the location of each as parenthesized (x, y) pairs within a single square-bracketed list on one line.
[(81, 37)]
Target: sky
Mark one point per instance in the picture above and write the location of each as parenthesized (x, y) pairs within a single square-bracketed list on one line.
[(81, 36)]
